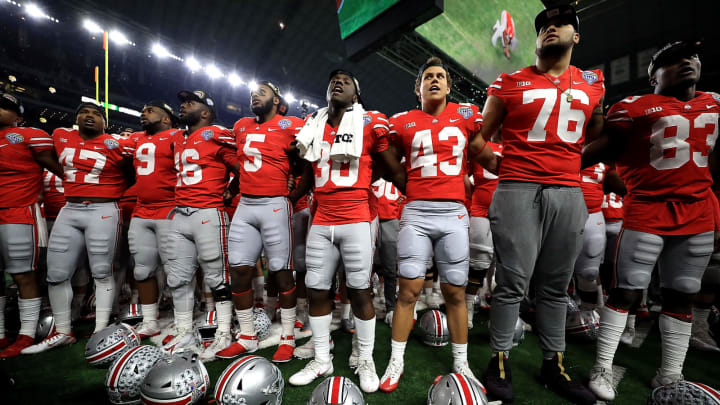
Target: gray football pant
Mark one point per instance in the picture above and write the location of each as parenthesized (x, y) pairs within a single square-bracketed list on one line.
[(386, 259), (537, 229)]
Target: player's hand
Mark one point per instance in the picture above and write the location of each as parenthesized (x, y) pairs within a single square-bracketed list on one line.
[(227, 198), (291, 183)]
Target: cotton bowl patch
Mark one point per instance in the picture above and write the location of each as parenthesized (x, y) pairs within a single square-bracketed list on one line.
[(207, 134), (366, 119), (466, 112), (111, 143), (589, 77), (284, 123), (14, 138)]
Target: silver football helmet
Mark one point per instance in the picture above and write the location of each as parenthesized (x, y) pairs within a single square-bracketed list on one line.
[(336, 391), (583, 324), (684, 393), (46, 324), (127, 373), (206, 328), (519, 333), (262, 323), (106, 345), (456, 389), (132, 316), (250, 380), (181, 378), (434, 329)]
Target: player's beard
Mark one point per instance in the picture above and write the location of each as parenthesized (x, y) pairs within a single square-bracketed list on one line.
[(554, 50), (190, 118), (263, 108), (152, 127)]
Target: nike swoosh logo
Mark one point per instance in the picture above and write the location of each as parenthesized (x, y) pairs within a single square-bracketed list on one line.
[(163, 139), (276, 209), (456, 119), (205, 222), (196, 142), (709, 106), (106, 217), (574, 82), (273, 129), (461, 216)]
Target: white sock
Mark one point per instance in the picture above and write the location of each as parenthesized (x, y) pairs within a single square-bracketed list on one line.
[(258, 284), (675, 337), (630, 322), (2, 316), (60, 298), (321, 337), (470, 302), (224, 315), (104, 297), (245, 319), (345, 308), (183, 321), (436, 286), (287, 320), (612, 325), (150, 313), (365, 332), (459, 352), (29, 314), (397, 350), (428, 291)]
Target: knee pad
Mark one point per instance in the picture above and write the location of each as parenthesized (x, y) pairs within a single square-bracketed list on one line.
[(455, 277), (482, 260), (687, 285), (142, 272), (221, 293), (357, 280)]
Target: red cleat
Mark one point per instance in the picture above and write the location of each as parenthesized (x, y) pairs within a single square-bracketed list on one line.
[(4, 342), (244, 344), (14, 349), (285, 350), (643, 312)]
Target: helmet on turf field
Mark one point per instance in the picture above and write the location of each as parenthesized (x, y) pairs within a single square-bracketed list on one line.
[(127, 373), (684, 393), (572, 305), (106, 345), (262, 323), (434, 329), (132, 316), (583, 325), (250, 380), (46, 324), (181, 378), (456, 389), (519, 333), (206, 328), (336, 391)]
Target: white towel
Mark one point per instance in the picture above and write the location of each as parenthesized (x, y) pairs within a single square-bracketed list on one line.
[(350, 130)]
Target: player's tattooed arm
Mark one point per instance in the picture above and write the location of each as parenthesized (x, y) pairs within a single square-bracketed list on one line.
[(595, 125), (307, 181), (49, 160), (390, 168)]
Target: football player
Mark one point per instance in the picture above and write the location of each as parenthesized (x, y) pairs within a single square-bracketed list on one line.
[(385, 262), (661, 144), (341, 169), (262, 221), (156, 177), (98, 169), (434, 221), (24, 152), (203, 154), (538, 213)]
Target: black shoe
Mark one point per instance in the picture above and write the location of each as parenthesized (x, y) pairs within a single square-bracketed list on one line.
[(498, 379), (555, 378)]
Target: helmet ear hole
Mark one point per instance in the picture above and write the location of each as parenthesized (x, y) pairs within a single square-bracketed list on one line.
[(167, 385)]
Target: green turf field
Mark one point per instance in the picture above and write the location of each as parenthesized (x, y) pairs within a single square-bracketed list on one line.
[(356, 13), (464, 29), (63, 377)]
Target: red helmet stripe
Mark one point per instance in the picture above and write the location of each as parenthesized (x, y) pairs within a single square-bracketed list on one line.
[(211, 315), (438, 322), (228, 372), (335, 390), (110, 350), (120, 364), (464, 388), (710, 391)]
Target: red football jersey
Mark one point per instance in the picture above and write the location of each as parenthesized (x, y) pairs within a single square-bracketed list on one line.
[(665, 161), (20, 174), (435, 149), (155, 173), (387, 196), (304, 201), (128, 202), (202, 160), (53, 195), (263, 153), (543, 133), (612, 207), (485, 185), (342, 189), (591, 183), (92, 167)]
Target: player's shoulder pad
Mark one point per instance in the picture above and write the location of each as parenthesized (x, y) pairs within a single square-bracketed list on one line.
[(400, 114), (242, 123), (62, 131), (714, 95), (219, 128)]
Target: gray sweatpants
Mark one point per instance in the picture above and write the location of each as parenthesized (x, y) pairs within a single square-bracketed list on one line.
[(537, 229), (386, 259)]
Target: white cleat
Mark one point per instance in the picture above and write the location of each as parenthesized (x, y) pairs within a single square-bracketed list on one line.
[(660, 380), (393, 372), (307, 350), (50, 342), (464, 369), (310, 372), (147, 329), (369, 381), (389, 318), (601, 383), (184, 340), (354, 358), (222, 341)]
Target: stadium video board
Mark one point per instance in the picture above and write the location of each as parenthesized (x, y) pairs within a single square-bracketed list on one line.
[(353, 14), (487, 37)]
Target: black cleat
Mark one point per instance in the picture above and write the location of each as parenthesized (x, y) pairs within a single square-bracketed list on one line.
[(555, 378), (498, 379)]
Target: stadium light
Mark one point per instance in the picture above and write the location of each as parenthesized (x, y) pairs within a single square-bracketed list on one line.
[(290, 98), (193, 64), (213, 71), (253, 85), (234, 80), (120, 38), (52, 90), (34, 11), (92, 27), (313, 105)]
